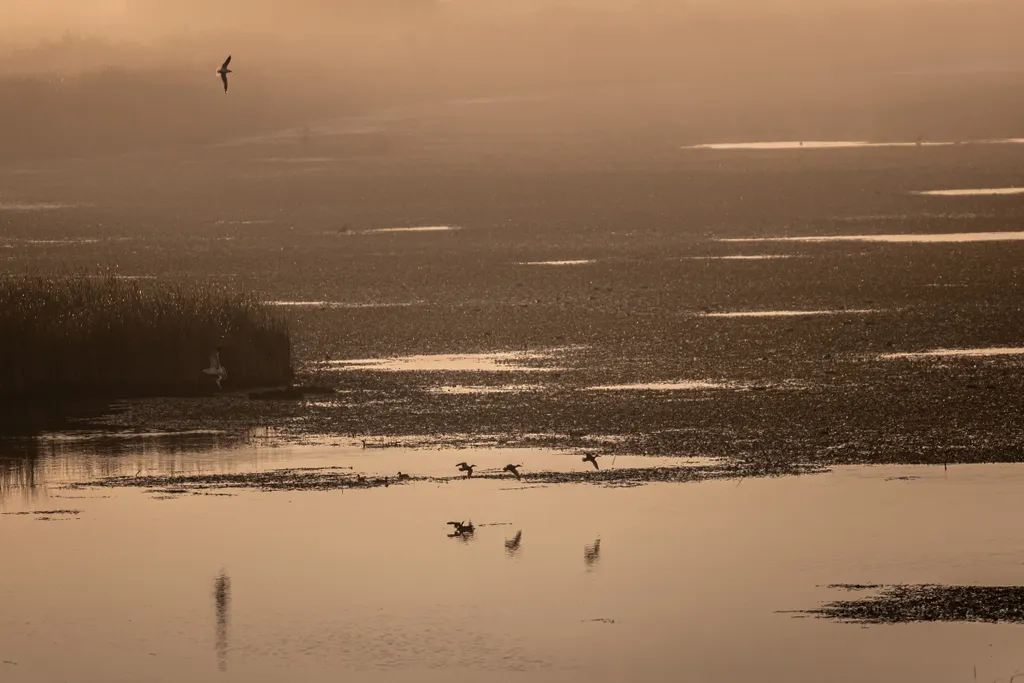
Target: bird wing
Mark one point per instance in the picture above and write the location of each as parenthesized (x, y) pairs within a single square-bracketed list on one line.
[(595, 464), (226, 62), (224, 77)]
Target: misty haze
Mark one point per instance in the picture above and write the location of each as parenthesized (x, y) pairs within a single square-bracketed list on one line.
[(551, 340)]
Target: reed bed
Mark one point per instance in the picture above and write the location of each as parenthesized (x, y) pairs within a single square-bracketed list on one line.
[(76, 334)]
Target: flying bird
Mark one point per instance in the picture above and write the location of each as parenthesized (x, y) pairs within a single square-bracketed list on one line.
[(592, 459), (462, 528), (224, 71), (512, 469), (468, 469)]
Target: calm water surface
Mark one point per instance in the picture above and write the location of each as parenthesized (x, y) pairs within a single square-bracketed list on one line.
[(684, 583)]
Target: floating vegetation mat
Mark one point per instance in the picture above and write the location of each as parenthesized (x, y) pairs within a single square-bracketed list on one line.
[(903, 604), (329, 478)]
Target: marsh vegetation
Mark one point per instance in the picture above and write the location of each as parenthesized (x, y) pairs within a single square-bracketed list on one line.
[(75, 334)]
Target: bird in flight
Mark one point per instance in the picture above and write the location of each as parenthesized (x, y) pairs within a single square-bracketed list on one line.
[(468, 469), (592, 459), (462, 528), (513, 469), (224, 71)]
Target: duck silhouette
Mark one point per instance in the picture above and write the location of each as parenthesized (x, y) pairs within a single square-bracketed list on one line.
[(592, 459)]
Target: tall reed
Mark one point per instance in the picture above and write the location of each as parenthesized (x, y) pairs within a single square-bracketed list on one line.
[(79, 334)]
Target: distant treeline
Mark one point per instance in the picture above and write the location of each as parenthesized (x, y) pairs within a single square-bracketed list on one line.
[(80, 336)]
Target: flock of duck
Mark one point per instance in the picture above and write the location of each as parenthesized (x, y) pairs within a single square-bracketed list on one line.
[(510, 468)]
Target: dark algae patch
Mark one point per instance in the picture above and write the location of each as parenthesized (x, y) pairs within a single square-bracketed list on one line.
[(902, 604), (336, 478), (46, 512)]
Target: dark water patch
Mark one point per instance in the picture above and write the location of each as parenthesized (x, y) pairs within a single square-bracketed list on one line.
[(903, 604)]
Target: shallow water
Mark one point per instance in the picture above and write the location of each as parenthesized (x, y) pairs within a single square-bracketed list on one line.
[(814, 144), (693, 385), (785, 314), (970, 353), (339, 304), (973, 192), (499, 389), (578, 262), (893, 238), (35, 206), (742, 257), (571, 583), (504, 361), (424, 228)]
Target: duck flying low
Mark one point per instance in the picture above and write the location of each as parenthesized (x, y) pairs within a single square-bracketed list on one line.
[(513, 469)]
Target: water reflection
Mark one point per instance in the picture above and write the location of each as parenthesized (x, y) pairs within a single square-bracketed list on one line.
[(591, 554), (221, 605), (512, 544), (28, 465), (759, 552)]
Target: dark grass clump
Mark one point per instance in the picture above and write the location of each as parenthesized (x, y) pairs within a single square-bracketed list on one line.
[(927, 602), (337, 478), (76, 335)]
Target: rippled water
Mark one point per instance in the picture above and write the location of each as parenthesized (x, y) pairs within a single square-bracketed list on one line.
[(580, 582)]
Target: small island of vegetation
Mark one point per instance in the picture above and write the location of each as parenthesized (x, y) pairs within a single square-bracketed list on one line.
[(78, 335)]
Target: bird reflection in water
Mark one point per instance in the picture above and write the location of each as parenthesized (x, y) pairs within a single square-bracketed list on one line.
[(592, 553), (222, 603), (512, 544)]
